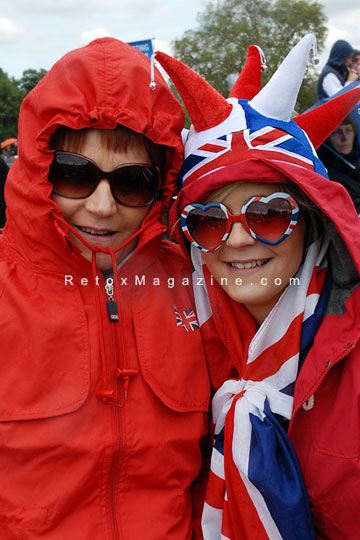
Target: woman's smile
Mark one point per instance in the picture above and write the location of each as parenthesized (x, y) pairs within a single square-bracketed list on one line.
[(247, 265)]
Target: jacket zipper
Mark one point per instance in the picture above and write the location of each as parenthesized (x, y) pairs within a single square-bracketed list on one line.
[(118, 451), (347, 350), (113, 314)]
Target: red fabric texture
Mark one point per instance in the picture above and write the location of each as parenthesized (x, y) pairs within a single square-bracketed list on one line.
[(205, 105), (248, 84), (326, 435), (319, 122), (71, 464)]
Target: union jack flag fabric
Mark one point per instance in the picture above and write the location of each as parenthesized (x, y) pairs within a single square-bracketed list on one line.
[(250, 137), (187, 320), (256, 489)]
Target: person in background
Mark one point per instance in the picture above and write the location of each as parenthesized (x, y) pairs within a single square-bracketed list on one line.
[(278, 247), (355, 57), (104, 387), (340, 155), (338, 71), (4, 169)]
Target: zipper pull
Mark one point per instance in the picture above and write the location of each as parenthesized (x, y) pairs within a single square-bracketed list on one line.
[(111, 303)]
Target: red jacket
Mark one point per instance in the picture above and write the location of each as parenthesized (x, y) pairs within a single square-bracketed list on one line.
[(325, 425), (100, 422)]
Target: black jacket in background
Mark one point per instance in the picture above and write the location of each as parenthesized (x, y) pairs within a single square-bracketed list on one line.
[(340, 51), (4, 169), (341, 172)]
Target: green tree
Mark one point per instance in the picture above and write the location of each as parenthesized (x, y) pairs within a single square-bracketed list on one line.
[(10, 100), (12, 92), (29, 79), (217, 48)]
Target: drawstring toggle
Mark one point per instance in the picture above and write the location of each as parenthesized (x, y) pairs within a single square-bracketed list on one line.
[(125, 374), (105, 394)]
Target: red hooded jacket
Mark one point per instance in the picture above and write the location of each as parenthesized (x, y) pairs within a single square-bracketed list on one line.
[(100, 422)]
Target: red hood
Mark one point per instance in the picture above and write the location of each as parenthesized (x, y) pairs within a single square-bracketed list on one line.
[(331, 197), (109, 86)]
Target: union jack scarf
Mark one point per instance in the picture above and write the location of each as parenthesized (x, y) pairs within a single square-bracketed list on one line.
[(256, 490)]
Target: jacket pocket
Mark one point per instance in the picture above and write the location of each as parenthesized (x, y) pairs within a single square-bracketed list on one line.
[(335, 415), (44, 357), (170, 350)]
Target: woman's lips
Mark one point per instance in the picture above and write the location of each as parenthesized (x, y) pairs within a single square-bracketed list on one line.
[(96, 236), (345, 149)]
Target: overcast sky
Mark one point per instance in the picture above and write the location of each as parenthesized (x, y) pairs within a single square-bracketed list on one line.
[(36, 33)]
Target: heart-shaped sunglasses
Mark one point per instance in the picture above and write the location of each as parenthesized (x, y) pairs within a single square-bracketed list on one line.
[(76, 177), (267, 219)]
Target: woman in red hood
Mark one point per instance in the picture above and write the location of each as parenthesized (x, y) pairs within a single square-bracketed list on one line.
[(104, 390), (277, 246)]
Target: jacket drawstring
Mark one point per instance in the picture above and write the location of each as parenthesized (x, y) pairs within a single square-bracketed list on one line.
[(105, 393), (125, 373)]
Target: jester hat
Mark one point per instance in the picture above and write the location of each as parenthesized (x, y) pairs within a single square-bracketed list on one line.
[(240, 137)]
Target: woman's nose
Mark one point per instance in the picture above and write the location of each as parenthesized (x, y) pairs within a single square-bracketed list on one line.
[(342, 136), (101, 201), (239, 236)]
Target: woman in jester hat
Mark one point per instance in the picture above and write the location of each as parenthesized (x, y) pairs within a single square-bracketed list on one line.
[(277, 246)]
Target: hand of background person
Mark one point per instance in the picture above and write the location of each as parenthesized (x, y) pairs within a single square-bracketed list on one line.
[(353, 74)]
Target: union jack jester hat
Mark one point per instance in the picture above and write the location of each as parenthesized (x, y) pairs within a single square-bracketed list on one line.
[(230, 139)]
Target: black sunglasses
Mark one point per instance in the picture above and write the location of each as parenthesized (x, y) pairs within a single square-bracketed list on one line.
[(76, 177)]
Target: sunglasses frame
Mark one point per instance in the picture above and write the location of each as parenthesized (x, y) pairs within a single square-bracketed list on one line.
[(104, 175), (241, 218)]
